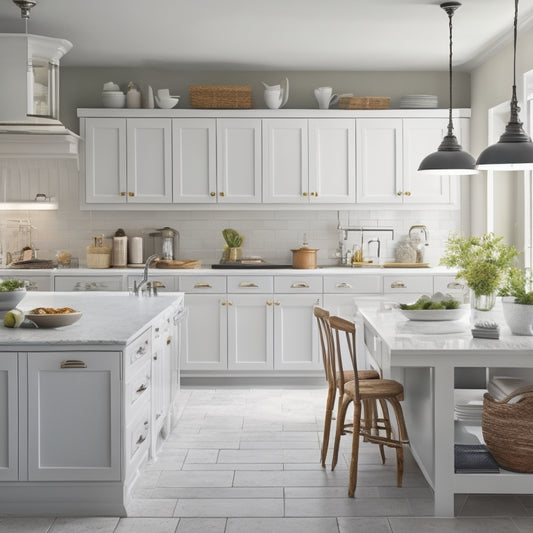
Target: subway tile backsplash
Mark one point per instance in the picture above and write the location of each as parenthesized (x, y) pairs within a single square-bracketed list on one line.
[(269, 234)]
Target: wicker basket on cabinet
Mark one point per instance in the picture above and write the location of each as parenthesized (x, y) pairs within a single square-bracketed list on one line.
[(364, 102), (508, 429), (221, 96)]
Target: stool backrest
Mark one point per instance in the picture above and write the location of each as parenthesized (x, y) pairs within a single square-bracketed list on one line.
[(326, 342), (340, 326)]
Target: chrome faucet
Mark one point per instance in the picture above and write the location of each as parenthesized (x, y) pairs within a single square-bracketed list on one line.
[(379, 246), (422, 228), (138, 288)]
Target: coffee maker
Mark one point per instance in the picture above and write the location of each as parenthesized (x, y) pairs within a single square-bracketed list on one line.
[(163, 241)]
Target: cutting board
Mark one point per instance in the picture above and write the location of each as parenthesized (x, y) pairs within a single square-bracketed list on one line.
[(405, 265), (175, 263)]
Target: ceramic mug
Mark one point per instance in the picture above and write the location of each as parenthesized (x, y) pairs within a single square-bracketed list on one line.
[(325, 98)]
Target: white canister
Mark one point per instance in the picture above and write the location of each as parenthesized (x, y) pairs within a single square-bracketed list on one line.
[(120, 251), (136, 250), (133, 98)]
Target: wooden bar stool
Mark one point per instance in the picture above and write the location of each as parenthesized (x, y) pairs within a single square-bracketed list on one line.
[(366, 393), (333, 378)]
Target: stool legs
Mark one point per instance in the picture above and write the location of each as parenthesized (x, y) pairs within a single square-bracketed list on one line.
[(330, 402), (355, 449)]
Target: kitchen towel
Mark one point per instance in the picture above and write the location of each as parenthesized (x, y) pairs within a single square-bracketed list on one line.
[(120, 251), (136, 250)]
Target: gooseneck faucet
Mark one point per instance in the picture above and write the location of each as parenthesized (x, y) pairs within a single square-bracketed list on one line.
[(138, 288)]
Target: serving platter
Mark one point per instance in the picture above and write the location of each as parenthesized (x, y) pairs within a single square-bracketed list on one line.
[(434, 314), (54, 320)]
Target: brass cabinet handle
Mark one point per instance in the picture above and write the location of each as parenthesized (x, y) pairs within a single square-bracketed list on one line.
[(230, 303), (122, 193), (73, 363), (141, 350), (455, 285), (131, 194), (222, 194), (343, 285), (248, 284), (300, 285), (277, 303), (212, 193), (316, 195), (269, 302), (203, 285), (155, 357), (407, 193), (223, 303), (399, 193), (311, 194), (169, 340), (397, 285), (141, 389), (304, 194)]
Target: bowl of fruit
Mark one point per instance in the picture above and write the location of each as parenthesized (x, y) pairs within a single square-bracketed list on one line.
[(11, 293), (437, 307)]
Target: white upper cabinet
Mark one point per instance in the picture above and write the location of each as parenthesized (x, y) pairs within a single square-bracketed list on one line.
[(332, 160), (128, 160), (389, 151), (194, 160), (239, 160), (285, 161)]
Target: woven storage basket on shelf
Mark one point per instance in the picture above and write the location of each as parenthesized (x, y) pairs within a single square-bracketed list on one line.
[(221, 96), (364, 102), (508, 429)]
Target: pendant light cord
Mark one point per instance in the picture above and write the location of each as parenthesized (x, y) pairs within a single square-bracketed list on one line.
[(514, 101), (450, 123)]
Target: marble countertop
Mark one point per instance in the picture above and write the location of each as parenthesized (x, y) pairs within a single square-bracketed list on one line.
[(108, 318)]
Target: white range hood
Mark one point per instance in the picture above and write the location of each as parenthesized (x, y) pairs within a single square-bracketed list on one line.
[(29, 107)]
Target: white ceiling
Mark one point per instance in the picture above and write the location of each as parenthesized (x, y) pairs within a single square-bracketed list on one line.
[(271, 34)]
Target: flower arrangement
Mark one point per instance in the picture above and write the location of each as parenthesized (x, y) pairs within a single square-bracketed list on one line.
[(485, 263), (517, 285)]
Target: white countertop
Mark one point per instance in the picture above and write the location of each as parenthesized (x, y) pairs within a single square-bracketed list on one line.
[(108, 318)]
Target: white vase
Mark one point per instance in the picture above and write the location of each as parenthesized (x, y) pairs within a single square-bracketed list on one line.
[(519, 317)]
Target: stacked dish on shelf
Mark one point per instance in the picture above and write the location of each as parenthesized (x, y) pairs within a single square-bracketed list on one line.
[(419, 101), (112, 96), (469, 405)]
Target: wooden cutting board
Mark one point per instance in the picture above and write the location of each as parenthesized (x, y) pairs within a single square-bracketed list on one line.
[(175, 263), (405, 265)]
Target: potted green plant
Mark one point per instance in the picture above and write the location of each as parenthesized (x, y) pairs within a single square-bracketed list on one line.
[(517, 302), (483, 262), (234, 240)]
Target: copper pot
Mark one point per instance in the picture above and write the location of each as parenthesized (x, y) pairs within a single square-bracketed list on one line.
[(304, 258)]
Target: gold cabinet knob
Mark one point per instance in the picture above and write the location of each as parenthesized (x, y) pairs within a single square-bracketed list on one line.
[(277, 303), (407, 193), (223, 303), (212, 193), (304, 194), (311, 194), (122, 193), (169, 340), (316, 195), (399, 193), (222, 194), (230, 303), (131, 194), (269, 303)]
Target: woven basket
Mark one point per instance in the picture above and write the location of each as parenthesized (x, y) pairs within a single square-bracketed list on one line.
[(364, 102), (98, 256), (508, 429), (221, 96)]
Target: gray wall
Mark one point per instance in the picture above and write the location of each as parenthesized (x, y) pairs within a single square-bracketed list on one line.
[(81, 87)]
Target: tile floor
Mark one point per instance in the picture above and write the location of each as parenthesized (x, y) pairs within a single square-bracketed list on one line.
[(247, 461)]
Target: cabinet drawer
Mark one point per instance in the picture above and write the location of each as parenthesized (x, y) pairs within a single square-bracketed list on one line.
[(34, 283), (361, 284), (449, 284), (170, 282), (251, 284), (137, 352), (298, 284), (204, 284), (88, 283), (138, 434), (137, 389), (405, 284)]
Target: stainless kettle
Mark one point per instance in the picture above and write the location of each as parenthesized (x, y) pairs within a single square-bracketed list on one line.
[(169, 246)]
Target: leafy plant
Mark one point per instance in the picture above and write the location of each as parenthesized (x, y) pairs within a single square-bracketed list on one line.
[(232, 237), (11, 285), (484, 262), (518, 282)]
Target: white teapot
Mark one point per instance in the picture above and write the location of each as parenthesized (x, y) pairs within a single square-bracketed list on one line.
[(325, 98), (276, 96)]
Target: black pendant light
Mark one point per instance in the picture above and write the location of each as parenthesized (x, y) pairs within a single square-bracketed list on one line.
[(514, 150), (450, 158)]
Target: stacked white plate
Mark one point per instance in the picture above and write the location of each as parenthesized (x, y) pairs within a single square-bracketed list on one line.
[(419, 101), (469, 405)]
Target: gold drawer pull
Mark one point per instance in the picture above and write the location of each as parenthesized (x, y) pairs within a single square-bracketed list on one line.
[(122, 193), (73, 363), (222, 194), (131, 194), (248, 284), (202, 285), (300, 285), (169, 340), (141, 439), (223, 303), (397, 285), (141, 389), (277, 303), (269, 302), (343, 285), (304, 194), (141, 350), (407, 193)]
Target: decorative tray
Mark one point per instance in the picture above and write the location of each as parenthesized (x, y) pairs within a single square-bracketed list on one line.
[(405, 265)]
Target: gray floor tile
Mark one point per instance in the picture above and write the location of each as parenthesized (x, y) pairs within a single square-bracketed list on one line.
[(282, 525), (363, 525), (201, 525), (192, 478), (347, 507), (143, 525), (524, 525), (329, 492), (232, 466), (452, 525), (151, 508), (291, 479), (229, 507), (202, 456), (25, 525), (493, 505), (92, 524), (217, 492)]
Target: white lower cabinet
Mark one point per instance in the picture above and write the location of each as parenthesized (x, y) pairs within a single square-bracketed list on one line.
[(74, 413), (88, 283), (296, 344), (8, 417)]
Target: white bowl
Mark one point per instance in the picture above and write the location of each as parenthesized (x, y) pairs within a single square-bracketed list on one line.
[(10, 299), (167, 103), (54, 321), (113, 99), (434, 314)]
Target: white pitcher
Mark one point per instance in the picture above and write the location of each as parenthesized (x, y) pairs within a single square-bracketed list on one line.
[(276, 96), (325, 98)]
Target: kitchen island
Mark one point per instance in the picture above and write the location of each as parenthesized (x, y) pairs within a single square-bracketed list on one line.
[(84, 406), (423, 356)]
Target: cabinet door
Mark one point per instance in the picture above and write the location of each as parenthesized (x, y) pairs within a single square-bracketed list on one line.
[(9, 417), (149, 160), (36, 283), (295, 332), (332, 160), (74, 401), (379, 160), (88, 283), (239, 160), (285, 161), (421, 137), (250, 332), (105, 160), (207, 338), (194, 160)]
